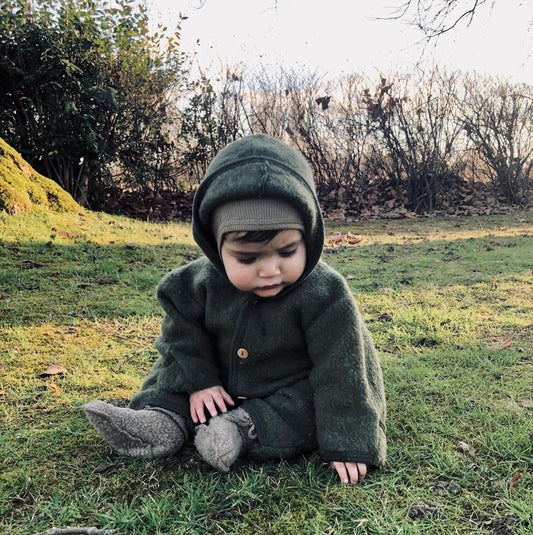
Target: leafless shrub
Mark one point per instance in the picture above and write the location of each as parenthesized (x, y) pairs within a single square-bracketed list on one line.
[(497, 117)]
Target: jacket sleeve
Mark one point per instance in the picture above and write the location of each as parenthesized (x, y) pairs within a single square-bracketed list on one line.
[(346, 378), (186, 362)]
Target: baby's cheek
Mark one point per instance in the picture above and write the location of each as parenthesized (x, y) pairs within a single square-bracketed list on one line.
[(240, 280)]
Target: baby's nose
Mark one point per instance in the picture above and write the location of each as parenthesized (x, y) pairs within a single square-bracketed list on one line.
[(269, 268)]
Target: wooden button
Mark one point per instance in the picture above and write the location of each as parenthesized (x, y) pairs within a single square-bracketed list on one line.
[(242, 353)]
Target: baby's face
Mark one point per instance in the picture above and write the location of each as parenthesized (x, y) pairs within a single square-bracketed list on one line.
[(264, 268)]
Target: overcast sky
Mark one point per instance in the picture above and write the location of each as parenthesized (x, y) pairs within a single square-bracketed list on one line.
[(337, 36)]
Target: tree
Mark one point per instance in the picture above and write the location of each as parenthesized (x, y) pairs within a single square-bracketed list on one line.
[(497, 116), (417, 136), (266, 104), (327, 123), (435, 17), (210, 120), (85, 91)]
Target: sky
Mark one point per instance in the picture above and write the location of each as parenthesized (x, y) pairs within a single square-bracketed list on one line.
[(345, 36)]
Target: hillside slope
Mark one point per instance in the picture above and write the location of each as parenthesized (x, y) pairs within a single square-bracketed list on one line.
[(23, 190)]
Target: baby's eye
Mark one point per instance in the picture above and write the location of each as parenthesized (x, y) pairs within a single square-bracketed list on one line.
[(246, 261), (287, 254)]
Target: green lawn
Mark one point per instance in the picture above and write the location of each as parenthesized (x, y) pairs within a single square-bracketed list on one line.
[(449, 303)]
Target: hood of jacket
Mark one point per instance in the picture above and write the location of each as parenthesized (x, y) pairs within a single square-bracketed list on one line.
[(258, 166)]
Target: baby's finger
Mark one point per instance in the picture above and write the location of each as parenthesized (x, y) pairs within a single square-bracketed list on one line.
[(210, 406), (227, 398), (353, 472), (219, 400), (362, 467), (197, 413), (341, 471), (194, 414)]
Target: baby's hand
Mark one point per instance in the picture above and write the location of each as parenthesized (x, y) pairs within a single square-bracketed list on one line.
[(210, 399), (350, 472)]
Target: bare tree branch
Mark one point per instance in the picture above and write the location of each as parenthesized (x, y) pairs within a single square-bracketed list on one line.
[(443, 27), (435, 18)]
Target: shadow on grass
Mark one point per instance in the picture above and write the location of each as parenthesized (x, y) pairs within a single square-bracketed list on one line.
[(60, 283)]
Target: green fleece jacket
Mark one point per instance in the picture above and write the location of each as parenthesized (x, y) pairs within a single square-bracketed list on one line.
[(302, 362)]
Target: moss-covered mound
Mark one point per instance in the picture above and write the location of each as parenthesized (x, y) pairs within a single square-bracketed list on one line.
[(23, 190)]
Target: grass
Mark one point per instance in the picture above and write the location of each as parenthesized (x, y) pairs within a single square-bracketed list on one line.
[(449, 304)]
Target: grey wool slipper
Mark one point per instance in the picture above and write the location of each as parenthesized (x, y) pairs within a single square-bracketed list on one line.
[(148, 433), (225, 438)]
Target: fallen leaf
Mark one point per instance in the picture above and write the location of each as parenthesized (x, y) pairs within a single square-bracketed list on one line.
[(506, 343), (513, 482), (348, 238), (352, 240), (65, 234), (336, 239), (103, 467), (463, 447), (54, 369), (55, 389)]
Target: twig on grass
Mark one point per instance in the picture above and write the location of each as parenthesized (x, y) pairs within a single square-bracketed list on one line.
[(76, 531)]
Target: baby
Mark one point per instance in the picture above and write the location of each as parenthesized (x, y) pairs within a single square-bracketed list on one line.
[(263, 352)]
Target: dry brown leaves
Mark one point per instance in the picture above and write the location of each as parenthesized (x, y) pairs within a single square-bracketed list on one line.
[(54, 369), (344, 239)]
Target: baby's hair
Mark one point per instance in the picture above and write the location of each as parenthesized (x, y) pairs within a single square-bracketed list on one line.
[(256, 236)]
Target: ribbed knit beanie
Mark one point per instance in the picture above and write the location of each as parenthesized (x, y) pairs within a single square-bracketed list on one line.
[(254, 214)]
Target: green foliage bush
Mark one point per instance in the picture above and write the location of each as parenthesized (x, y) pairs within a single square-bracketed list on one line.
[(84, 90)]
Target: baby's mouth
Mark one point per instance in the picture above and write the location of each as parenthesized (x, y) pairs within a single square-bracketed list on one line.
[(270, 287)]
